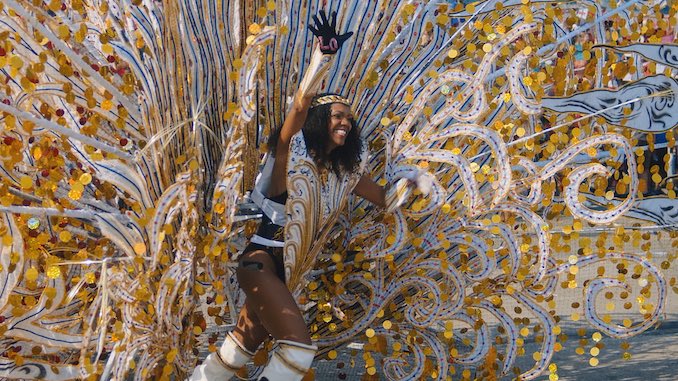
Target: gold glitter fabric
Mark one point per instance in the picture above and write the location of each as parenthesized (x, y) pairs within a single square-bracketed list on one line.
[(131, 130)]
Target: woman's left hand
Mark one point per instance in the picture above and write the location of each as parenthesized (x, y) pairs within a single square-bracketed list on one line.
[(326, 31)]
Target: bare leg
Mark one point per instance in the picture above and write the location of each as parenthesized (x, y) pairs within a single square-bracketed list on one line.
[(270, 299), (249, 330)]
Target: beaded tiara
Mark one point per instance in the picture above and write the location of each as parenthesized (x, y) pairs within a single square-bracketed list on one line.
[(325, 99)]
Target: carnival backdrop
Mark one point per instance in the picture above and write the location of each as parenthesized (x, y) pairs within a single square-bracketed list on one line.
[(132, 130)]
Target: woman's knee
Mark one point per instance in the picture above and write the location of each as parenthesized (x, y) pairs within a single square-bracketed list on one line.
[(250, 330)]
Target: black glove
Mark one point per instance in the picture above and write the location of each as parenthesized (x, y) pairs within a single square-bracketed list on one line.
[(326, 32)]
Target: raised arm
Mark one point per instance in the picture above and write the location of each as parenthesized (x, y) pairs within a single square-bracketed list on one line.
[(294, 120), (327, 45)]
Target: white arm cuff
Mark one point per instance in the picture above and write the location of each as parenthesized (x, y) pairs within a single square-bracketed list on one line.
[(315, 73), (401, 190)]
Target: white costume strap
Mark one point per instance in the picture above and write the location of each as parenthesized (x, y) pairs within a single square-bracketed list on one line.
[(272, 209), (266, 242)]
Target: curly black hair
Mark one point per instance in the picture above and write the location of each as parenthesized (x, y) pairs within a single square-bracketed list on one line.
[(344, 158)]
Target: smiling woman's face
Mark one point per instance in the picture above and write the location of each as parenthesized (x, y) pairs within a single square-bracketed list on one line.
[(341, 121)]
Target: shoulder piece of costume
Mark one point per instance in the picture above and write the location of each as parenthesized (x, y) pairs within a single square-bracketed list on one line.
[(313, 205)]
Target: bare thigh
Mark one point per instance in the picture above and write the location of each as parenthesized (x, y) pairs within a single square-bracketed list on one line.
[(270, 299)]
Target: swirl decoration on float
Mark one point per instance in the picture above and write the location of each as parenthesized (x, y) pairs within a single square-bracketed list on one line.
[(133, 129)]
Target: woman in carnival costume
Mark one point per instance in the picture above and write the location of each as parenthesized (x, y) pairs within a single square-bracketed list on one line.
[(319, 134)]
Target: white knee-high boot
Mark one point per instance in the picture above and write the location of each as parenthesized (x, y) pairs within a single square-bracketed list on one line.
[(222, 364), (290, 361)]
